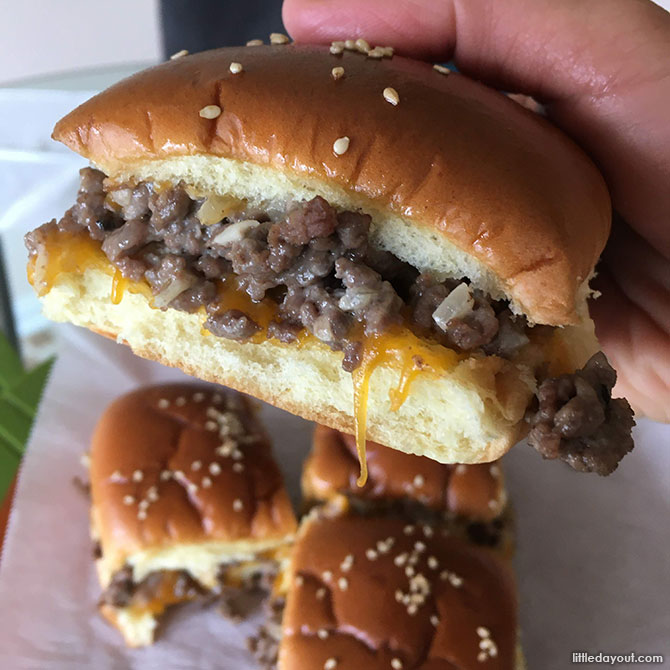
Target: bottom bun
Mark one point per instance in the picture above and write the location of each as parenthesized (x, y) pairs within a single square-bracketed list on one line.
[(472, 413), (138, 627)]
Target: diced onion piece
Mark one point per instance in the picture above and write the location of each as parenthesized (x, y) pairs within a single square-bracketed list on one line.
[(511, 340), (176, 287), (217, 207), (234, 232), (322, 328), (121, 197), (355, 299), (39, 272), (456, 305)]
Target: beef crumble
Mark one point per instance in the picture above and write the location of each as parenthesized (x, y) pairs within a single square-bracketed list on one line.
[(121, 588), (577, 420), (238, 602), (232, 324), (312, 261)]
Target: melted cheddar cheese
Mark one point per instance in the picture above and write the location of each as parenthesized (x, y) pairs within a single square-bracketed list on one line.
[(76, 252), (403, 351), (63, 253), (165, 596)]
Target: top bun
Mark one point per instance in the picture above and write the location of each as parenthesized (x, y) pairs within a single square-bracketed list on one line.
[(459, 179)]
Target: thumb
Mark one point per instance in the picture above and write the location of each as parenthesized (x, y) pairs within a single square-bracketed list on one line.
[(600, 66)]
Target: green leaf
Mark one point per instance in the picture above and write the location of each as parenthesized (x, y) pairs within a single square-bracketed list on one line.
[(11, 369), (9, 464), (27, 391), (20, 394), (14, 426)]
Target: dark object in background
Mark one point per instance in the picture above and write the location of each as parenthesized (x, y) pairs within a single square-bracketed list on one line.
[(206, 24), (7, 323)]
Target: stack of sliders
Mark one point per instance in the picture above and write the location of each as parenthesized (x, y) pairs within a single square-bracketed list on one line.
[(372, 584), (186, 502), (384, 247)]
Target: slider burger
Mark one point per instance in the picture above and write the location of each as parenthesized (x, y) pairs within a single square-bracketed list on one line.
[(187, 501), (385, 594), (470, 500), (363, 240)]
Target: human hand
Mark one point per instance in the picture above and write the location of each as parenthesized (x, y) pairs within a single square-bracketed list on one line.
[(602, 69)]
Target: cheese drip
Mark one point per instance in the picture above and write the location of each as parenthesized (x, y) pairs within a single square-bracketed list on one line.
[(119, 286), (412, 357)]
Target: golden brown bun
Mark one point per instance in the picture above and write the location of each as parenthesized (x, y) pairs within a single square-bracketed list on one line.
[(351, 587), (159, 445), (475, 492), (485, 188)]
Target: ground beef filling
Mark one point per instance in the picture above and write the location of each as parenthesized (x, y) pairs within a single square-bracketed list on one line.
[(486, 533), (236, 601), (124, 592), (577, 420), (313, 262), (316, 267), (264, 646)]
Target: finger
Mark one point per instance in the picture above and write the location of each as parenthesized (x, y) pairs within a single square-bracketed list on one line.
[(417, 29), (633, 320), (638, 347), (601, 66)]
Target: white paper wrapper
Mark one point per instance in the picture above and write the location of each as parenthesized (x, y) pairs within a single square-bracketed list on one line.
[(593, 554)]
